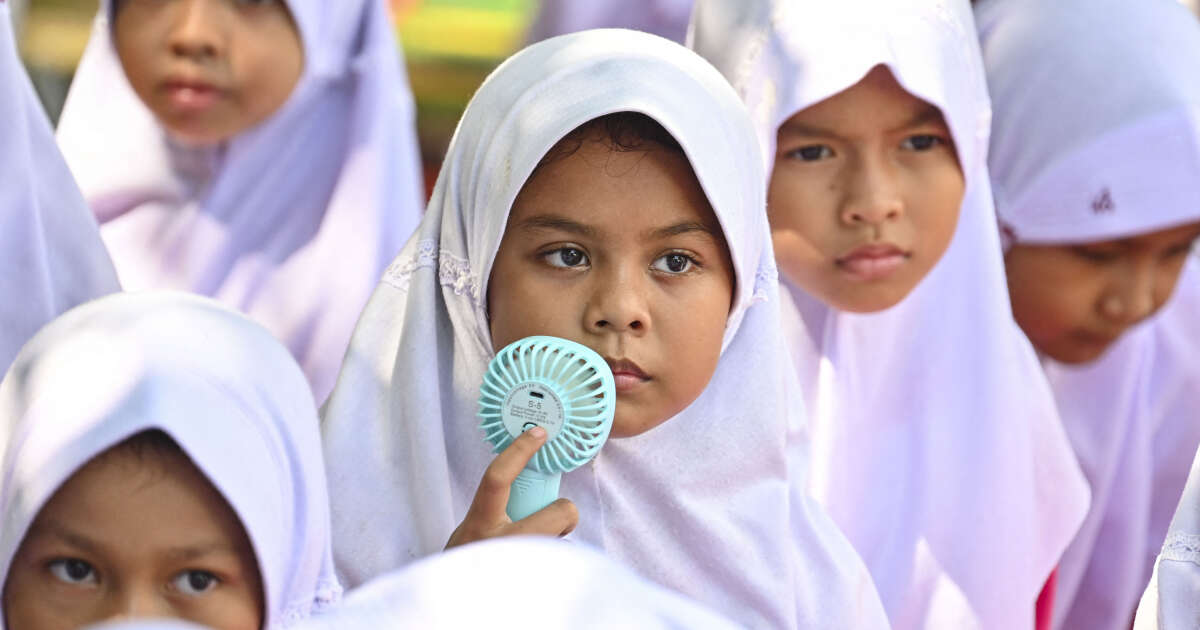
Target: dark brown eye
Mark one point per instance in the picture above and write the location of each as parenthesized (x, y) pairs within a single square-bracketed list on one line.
[(566, 257), (73, 571), (674, 263), (921, 142)]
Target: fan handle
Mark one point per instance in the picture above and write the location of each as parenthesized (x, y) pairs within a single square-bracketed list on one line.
[(531, 491)]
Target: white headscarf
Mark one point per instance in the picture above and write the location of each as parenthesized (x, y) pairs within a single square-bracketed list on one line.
[(293, 220), (1097, 136), (936, 445), (708, 503), (1172, 599), (480, 586), (51, 256), (218, 384)]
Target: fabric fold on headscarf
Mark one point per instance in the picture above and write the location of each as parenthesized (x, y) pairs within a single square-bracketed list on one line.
[(712, 502), (516, 583), (936, 444), (291, 221), (218, 384), (1097, 137), (51, 255)]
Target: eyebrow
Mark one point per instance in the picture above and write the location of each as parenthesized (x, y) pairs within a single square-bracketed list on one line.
[(83, 543), (687, 227), (73, 538), (556, 222), (196, 551), (928, 114)]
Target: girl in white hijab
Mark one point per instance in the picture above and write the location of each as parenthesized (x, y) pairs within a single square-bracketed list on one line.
[(701, 489), (1096, 167), (261, 153), (161, 457), (51, 256), (936, 445)]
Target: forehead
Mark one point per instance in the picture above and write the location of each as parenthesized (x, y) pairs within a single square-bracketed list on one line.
[(616, 190), (142, 495), (875, 103)]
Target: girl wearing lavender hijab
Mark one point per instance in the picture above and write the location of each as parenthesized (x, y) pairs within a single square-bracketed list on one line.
[(1095, 159), (261, 153)]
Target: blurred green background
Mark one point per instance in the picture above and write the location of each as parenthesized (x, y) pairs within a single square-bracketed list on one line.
[(449, 45)]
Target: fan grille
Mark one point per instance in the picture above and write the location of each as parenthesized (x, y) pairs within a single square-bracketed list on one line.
[(559, 385)]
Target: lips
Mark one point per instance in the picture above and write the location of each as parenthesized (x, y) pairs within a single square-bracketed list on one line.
[(626, 374), (874, 261), (191, 95)]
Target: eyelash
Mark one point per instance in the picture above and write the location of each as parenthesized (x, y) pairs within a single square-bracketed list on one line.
[(691, 262), (816, 152), (1098, 257)]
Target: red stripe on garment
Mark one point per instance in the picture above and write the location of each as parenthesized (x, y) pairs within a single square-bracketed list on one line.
[(1044, 612)]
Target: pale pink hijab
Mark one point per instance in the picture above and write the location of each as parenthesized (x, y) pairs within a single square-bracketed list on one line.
[(1097, 137), (51, 256), (292, 221)]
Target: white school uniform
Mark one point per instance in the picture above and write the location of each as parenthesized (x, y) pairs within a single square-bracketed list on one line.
[(708, 503), (1097, 137), (51, 256), (291, 221), (936, 444), (218, 384)]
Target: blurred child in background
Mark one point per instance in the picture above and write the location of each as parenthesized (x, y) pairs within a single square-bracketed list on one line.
[(1095, 158), (937, 448), (262, 153)]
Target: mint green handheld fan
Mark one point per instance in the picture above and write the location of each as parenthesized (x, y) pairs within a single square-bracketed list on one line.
[(559, 385)]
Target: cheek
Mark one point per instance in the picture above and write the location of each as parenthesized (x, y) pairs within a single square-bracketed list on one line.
[(1048, 300), (934, 202), (270, 66)]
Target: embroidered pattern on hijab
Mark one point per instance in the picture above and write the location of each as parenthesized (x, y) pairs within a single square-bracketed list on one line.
[(709, 503), (936, 444), (291, 221), (1060, 125), (218, 384), (52, 257)]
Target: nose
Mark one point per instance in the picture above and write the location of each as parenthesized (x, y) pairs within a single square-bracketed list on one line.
[(1132, 298), (617, 302), (139, 602), (197, 32), (871, 194)]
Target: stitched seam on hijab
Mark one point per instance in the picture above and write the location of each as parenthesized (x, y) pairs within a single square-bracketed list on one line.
[(328, 593), (1182, 547)]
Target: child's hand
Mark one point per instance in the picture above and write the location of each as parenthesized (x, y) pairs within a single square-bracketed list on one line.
[(486, 517)]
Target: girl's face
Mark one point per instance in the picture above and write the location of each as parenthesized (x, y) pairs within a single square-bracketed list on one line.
[(865, 194), (1073, 301), (209, 69), (619, 251), (134, 535)]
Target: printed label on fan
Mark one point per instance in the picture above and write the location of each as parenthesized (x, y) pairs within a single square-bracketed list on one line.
[(532, 404)]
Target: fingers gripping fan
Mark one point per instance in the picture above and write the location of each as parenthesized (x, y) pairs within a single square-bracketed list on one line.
[(559, 385)]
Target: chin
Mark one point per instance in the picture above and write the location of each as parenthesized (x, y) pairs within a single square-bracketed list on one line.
[(631, 425), (1075, 354), (867, 299)]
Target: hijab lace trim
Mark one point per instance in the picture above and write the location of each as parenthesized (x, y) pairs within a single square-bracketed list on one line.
[(453, 272), (1182, 547)]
